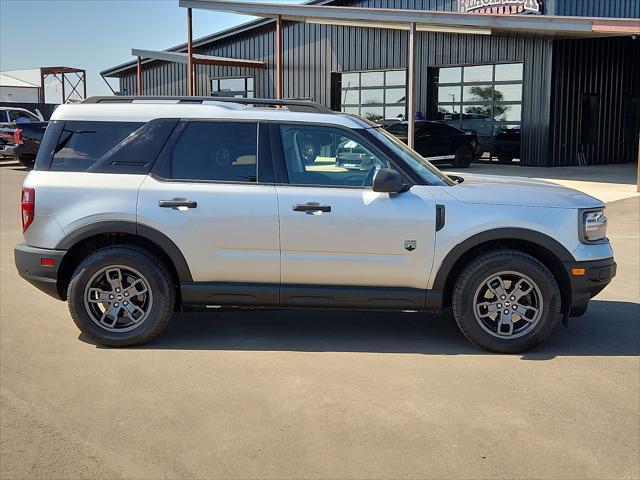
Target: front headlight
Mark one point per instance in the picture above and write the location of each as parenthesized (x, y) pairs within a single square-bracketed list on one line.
[(593, 225)]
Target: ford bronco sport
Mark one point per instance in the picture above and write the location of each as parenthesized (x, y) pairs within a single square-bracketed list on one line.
[(139, 206)]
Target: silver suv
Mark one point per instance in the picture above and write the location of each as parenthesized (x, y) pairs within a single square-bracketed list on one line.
[(140, 206)]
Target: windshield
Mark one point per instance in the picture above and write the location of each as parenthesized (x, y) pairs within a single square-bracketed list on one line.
[(430, 174)]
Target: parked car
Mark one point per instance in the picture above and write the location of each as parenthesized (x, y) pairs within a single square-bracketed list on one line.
[(438, 142), (20, 135), (139, 208), (507, 144)]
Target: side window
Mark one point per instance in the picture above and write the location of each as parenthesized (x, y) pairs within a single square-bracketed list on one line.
[(316, 155), (81, 144), (18, 116), (214, 151)]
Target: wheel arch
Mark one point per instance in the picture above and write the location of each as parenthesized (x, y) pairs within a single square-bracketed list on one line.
[(539, 245), (89, 238)]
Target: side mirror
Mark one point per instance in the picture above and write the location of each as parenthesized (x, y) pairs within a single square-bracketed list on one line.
[(388, 180)]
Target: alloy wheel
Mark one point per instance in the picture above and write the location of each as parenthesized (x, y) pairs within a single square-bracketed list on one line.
[(118, 298), (508, 305)]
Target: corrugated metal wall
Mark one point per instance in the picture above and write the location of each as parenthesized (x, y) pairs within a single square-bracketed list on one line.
[(609, 69), (313, 52), (598, 8)]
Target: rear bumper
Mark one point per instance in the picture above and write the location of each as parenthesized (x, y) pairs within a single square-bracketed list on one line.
[(598, 274), (29, 264), (9, 151)]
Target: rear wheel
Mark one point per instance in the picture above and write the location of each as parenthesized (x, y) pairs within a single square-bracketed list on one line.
[(27, 161), (464, 157), (506, 301), (121, 296)]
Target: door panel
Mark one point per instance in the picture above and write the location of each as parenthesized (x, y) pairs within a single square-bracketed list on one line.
[(230, 236), (361, 241), (207, 199)]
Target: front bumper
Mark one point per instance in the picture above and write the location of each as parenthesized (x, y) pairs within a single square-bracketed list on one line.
[(598, 274), (29, 264)]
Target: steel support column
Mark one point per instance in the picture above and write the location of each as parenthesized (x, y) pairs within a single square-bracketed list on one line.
[(139, 76), (190, 76), (279, 59), (411, 85)]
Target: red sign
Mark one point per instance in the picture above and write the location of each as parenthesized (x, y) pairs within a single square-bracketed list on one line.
[(500, 7)]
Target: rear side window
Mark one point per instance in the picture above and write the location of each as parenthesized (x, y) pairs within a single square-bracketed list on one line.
[(213, 151), (81, 144)]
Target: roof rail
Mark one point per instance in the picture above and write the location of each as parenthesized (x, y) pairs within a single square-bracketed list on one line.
[(291, 105)]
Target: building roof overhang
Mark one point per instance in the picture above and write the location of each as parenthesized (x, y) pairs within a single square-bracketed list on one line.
[(180, 57), (322, 12), (427, 20)]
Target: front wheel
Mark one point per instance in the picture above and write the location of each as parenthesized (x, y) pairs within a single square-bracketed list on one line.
[(506, 301), (464, 157), (121, 296), (27, 161)]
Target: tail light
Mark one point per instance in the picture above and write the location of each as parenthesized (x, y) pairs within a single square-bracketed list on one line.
[(28, 207), (17, 136)]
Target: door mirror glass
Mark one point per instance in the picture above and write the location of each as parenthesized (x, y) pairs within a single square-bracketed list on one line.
[(388, 180)]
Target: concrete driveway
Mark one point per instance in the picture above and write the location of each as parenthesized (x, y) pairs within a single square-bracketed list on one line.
[(299, 394)]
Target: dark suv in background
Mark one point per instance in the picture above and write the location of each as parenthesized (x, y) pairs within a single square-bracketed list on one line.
[(440, 142)]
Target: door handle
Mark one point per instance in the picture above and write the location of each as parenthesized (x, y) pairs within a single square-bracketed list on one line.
[(311, 207), (177, 202)]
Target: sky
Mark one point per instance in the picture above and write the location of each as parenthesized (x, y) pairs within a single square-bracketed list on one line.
[(97, 34)]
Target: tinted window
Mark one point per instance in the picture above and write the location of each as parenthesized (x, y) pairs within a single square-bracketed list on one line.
[(136, 153), (82, 143), (328, 156), (222, 151)]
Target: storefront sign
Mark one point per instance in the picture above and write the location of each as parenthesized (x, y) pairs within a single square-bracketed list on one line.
[(500, 7)]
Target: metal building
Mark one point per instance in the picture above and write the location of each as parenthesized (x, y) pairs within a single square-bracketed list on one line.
[(549, 98)]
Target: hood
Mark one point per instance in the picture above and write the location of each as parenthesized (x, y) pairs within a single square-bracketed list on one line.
[(519, 191)]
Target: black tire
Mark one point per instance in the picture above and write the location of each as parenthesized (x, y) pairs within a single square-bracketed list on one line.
[(155, 274), (475, 277), (464, 157), (27, 161), (505, 159)]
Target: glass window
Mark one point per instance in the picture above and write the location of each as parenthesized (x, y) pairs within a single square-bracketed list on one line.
[(508, 72), (395, 95), (391, 113), (372, 113), (396, 77), (237, 87), (372, 96), (211, 151), (478, 112), (450, 75), (351, 97), (477, 101), (508, 93), (18, 116), (508, 113), (81, 144), (350, 80), (372, 79), (351, 110), (232, 84), (369, 91), (449, 94), (430, 174), (477, 93), (478, 73), (316, 155)]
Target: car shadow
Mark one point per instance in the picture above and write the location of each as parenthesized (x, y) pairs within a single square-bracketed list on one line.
[(608, 329)]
